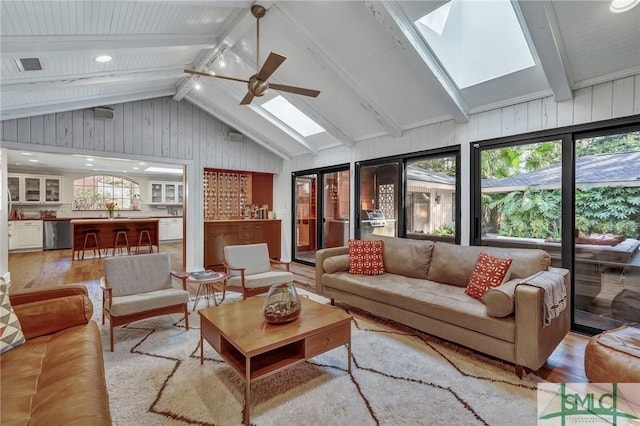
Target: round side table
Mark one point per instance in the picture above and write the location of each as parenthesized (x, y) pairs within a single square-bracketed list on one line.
[(207, 288)]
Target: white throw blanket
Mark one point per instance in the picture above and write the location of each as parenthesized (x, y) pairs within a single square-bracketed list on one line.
[(555, 293)]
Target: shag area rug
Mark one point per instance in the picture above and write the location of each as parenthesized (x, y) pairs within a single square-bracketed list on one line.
[(399, 377)]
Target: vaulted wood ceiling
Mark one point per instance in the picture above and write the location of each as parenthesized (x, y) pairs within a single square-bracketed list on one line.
[(376, 75)]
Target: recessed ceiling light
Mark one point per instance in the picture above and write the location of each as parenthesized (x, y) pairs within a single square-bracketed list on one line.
[(90, 159), (89, 165), (163, 170), (18, 164), (27, 154), (619, 6), (143, 164), (198, 86), (135, 168), (34, 160), (103, 58)]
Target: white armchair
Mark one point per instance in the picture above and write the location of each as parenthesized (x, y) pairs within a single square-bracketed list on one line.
[(249, 269), (139, 287)]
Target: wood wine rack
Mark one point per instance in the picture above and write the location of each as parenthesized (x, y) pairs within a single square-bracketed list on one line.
[(226, 193)]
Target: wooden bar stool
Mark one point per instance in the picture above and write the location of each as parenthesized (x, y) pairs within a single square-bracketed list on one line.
[(144, 238), (91, 233), (121, 233)]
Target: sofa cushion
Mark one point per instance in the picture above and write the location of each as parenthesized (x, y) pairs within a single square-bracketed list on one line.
[(11, 335), (403, 256), (489, 272), (265, 279), (454, 264), (500, 300), (439, 301), (336, 263), (365, 257), (253, 257), (56, 379), (134, 303)]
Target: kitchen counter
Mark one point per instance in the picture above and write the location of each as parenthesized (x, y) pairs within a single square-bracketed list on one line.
[(107, 234)]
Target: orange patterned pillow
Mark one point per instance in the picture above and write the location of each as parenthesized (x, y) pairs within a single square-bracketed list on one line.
[(489, 272), (365, 257)]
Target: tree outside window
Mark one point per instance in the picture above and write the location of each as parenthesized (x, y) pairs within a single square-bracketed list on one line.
[(93, 192)]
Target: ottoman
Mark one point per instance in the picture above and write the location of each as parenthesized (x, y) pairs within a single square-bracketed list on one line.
[(614, 356)]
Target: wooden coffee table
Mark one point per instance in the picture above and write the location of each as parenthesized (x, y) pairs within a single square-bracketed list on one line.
[(255, 349)]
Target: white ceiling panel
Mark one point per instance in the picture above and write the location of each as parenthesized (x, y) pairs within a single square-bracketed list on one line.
[(598, 42), (376, 74)]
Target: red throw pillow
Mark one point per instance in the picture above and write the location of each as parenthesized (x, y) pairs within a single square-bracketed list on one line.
[(489, 272), (365, 257)]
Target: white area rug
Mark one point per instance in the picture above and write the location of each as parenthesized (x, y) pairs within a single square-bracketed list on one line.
[(399, 377)]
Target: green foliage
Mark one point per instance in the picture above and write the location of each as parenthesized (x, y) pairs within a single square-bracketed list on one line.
[(444, 230), (534, 213)]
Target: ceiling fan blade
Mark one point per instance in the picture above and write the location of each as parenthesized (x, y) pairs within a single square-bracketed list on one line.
[(247, 99), (296, 90), (206, 74), (270, 65)]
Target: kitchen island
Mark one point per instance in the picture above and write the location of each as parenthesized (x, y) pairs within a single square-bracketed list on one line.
[(107, 235)]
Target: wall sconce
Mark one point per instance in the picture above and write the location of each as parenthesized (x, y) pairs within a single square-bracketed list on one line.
[(437, 198)]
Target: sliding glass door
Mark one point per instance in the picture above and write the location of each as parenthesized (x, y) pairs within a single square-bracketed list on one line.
[(321, 200), (575, 195), (379, 199), (607, 230)]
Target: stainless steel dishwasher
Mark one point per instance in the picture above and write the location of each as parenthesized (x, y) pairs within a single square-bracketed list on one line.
[(56, 234)]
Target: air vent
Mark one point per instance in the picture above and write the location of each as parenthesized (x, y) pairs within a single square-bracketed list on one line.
[(103, 112), (30, 64)]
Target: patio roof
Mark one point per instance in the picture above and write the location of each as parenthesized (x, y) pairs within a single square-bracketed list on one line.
[(424, 175), (621, 169)]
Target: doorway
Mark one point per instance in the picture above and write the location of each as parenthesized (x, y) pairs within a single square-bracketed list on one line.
[(321, 199)]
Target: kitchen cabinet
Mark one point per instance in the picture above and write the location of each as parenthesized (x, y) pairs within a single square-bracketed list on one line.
[(170, 229), (27, 234), (166, 192), (220, 233), (35, 189)]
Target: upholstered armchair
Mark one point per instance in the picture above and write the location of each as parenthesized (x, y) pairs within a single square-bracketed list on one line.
[(139, 287), (250, 269)]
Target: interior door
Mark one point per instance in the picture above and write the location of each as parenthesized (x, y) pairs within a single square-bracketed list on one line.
[(305, 217)]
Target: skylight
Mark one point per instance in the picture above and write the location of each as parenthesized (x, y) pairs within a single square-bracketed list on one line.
[(476, 41), (280, 108)]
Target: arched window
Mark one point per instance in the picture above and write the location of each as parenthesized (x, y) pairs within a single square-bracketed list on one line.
[(92, 192)]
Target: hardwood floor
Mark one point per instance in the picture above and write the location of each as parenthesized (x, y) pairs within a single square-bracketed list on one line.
[(45, 268)]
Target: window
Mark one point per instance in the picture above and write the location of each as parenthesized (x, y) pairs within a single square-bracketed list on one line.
[(92, 192), (280, 108), (476, 41), (576, 195)]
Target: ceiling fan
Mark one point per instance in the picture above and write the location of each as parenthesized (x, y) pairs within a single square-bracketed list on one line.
[(257, 83)]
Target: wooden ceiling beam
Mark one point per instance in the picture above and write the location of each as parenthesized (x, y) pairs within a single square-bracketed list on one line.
[(230, 120), (541, 21), (350, 84), (50, 107), (390, 16), (236, 27), (44, 83), (53, 46)]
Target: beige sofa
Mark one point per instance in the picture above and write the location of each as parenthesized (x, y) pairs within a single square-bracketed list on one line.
[(423, 287)]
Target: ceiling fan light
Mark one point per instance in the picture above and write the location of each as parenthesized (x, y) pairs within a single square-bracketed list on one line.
[(620, 6)]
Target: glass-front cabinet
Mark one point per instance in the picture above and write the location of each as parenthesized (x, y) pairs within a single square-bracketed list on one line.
[(166, 192), (33, 189)]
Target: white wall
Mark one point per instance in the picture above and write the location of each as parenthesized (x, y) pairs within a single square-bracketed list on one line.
[(158, 129), (618, 98)]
